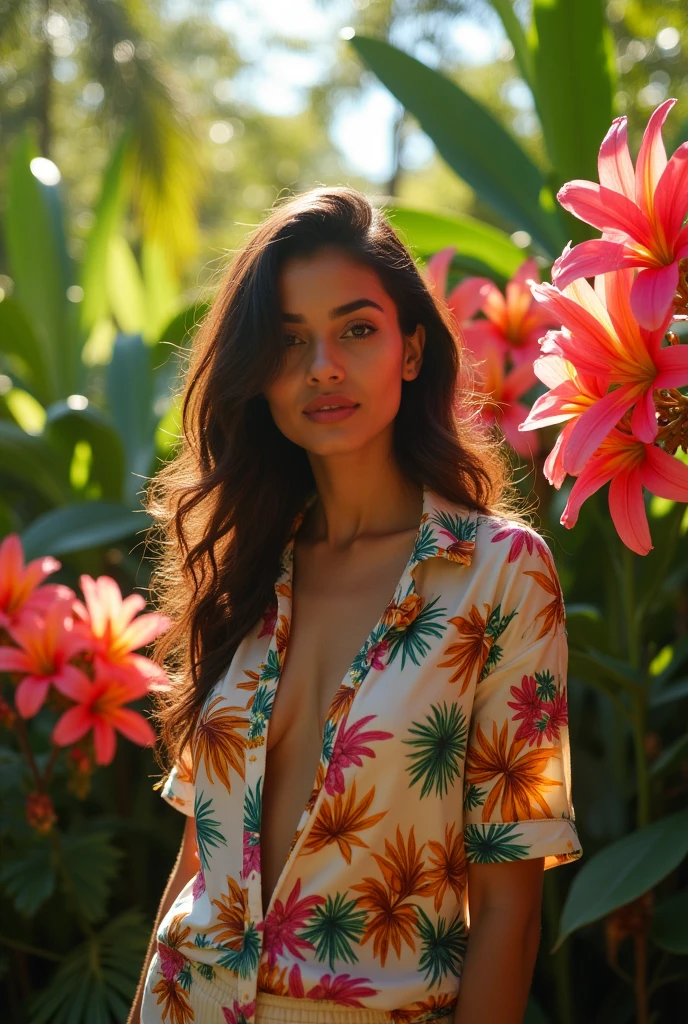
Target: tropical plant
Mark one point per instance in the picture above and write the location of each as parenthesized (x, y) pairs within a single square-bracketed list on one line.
[(615, 370)]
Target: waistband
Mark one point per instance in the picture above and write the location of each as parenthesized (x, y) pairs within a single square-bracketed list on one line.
[(273, 1009)]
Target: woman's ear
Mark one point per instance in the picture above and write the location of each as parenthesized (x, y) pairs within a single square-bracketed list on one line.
[(413, 353)]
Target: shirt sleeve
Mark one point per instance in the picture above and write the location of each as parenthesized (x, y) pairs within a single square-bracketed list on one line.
[(517, 782), (178, 788)]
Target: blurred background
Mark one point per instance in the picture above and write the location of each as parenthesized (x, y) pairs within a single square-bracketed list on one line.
[(139, 144)]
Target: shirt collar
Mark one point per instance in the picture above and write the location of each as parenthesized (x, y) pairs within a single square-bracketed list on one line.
[(446, 530)]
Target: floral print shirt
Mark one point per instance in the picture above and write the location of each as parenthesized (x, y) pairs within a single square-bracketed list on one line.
[(446, 743)]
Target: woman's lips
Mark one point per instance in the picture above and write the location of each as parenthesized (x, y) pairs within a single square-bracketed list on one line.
[(331, 415)]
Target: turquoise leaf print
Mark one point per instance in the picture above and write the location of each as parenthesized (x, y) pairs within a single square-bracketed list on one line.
[(206, 971), (473, 797), (201, 940), (460, 528), (332, 928), (440, 746), (496, 624), (425, 546), (442, 948), (208, 834), (185, 978), (328, 741), (493, 844), (546, 687), (411, 640), (243, 961), (271, 667), (260, 712)]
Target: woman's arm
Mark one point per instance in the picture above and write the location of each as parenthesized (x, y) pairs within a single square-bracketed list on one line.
[(505, 902), (185, 867)]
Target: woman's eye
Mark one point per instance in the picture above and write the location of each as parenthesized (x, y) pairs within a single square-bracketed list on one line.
[(365, 327), (291, 339)]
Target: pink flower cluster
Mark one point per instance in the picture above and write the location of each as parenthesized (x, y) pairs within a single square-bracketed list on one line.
[(53, 643), (610, 362)]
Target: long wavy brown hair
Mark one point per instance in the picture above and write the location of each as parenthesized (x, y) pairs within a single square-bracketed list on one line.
[(223, 506)]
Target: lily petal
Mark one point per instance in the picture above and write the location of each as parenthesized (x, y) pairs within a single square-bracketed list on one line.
[(593, 426), (671, 196), (627, 509), (596, 474), (74, 724), (665, 475), (652, 295), (606, 210), (652, 158), (614, 162)]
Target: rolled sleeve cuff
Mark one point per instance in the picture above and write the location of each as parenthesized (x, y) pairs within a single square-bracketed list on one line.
[(555, 839)]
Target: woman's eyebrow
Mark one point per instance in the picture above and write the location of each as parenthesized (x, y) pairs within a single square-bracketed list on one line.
[(348, 307)]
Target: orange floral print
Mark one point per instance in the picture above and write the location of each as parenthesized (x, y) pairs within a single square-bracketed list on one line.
[(340, 819), (449, 865), (219, 743), (519, 779), (469, 653)]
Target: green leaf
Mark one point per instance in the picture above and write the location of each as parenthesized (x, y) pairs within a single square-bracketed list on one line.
[(616, 674), (125, 286), (669, 928), (670, 757), (89, 861), (514, 30), (66, 426), (573, 75), (472, 142), (77, 527), (18, 341), (130, 396), (623, 871), (109, 211), (29, 878), (97, 981), (39, 264), (669, 694), (34, 463), (481, 248)]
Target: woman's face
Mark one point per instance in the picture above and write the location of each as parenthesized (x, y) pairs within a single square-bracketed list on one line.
[(343, 346)]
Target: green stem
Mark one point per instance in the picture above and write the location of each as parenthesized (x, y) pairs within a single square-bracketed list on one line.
[(560, 961), (634, 634)]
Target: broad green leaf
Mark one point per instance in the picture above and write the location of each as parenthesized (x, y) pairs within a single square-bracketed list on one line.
[(623, 871), (125, 286), (19, 343), (160, 287), (481, 248), (78, 527), (670, 757), (26, 411), (29, 877), (108, 218), (90, 862), (573, 76), (130, 389), (97, 980), (619, 675), (39, 264), (66, 426), (669, 694), (514, 30), (472, 142), (585, 625), (669, 928), (34, 463)]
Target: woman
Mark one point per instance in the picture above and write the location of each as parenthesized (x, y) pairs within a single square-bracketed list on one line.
[(368, 726)]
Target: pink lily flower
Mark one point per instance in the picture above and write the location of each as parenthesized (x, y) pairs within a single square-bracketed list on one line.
[(516, 321), (20, 589), (640, 213), (46, 643), (603, 339), (503, 389), (630, 465), (464, 300), (114, 634), (99, 706)]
